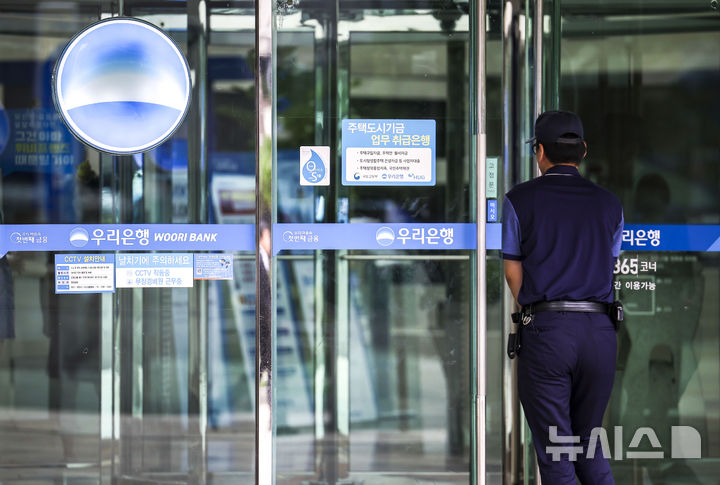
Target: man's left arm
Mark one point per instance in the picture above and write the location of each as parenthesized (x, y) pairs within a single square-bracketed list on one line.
[(512, 252), (513, 276)]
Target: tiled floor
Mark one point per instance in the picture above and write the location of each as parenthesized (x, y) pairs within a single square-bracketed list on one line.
[(37, 448)]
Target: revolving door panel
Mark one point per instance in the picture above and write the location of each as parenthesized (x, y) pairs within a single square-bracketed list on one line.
[(119, 386), (374, 297), (649, 118)]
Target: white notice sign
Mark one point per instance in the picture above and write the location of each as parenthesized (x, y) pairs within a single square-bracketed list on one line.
[(84, 273), (154, 270), (387, 165), (388, 152), (491, 170)]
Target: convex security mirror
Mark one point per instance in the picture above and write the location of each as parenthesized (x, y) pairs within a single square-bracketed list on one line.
[(122, 86)]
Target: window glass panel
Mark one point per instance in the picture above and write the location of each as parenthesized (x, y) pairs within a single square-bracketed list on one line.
[(643, 76)]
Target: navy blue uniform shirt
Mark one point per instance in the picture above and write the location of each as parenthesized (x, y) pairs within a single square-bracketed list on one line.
[(567, 232)]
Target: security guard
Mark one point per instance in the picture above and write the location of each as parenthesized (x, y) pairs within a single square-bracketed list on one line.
[(561, 237)]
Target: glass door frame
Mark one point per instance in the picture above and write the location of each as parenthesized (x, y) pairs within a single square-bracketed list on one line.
[(266, 205)]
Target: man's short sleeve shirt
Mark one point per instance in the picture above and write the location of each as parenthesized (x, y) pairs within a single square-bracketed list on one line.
[(567, 233)]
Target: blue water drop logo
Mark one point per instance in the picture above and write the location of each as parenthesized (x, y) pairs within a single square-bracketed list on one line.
[(79, 237), (385, 236), (122, 86), (314, 169)]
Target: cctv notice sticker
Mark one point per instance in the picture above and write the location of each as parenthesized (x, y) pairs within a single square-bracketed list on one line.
[(388, 152), (84, 273)]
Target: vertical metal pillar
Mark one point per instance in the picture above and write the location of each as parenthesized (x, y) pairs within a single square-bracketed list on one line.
[(538, 102), (480, 398), (197, 28), (512, 452), (126, 347), (265, 261), (556, 32), (110, 349), (538, 22), (109, 345), (331, 405)]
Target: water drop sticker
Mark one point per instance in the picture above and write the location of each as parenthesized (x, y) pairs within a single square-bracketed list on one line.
[(315, 165)]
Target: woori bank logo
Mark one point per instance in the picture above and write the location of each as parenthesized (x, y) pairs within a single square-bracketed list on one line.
[(79, 237), (122, 86), (385, 236)]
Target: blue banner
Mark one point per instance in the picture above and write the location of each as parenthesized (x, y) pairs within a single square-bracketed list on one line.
[(241, 237), (374, 236), (493, 235), (127, 237), (644, 237)]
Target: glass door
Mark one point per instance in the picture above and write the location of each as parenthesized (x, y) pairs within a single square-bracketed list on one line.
[(344, 345), (150, 383), (643, 76), (373, 243)]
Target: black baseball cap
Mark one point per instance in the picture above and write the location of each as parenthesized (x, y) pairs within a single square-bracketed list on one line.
[(558, 127)]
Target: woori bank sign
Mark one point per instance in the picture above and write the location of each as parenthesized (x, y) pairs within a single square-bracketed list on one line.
[(122, 86)]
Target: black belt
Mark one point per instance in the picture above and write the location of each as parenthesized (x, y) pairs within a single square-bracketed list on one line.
[(567, 306)]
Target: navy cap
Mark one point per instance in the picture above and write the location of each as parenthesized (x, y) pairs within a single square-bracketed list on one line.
[(552, 125)]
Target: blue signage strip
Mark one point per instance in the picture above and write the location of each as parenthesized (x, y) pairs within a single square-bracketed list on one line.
[(374, 236), (493, 235), (241, 237), (641, 237), (694, 238), (645, 237), (127, 237), (388, 152)]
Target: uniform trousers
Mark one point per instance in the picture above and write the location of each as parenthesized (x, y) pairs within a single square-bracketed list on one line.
[(566, 369)]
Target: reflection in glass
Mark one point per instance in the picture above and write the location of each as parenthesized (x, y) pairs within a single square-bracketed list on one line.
[(373, 355), (49, 345), (97, 387), (650, 114)]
